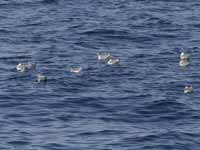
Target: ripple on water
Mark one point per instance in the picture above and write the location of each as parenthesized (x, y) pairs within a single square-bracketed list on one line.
[(138, 104)]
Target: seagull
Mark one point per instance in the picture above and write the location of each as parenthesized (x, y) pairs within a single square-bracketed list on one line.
[(75, 70), (23, 67), (113, 61), (184, 56), (103, 56), (41, 78), (183, 63), (188, 89)]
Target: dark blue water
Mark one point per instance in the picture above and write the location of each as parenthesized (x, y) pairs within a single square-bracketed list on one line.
[(137, 105)]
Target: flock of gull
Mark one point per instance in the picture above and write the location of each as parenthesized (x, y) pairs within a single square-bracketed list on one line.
[(102, 56), (184, 62)]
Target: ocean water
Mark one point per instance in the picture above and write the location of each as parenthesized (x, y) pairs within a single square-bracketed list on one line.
[(137, 105)]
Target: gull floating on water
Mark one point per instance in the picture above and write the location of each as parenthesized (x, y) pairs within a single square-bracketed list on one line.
[(103, 56), (188, 89), (183, 63), (41, 78), (113, 61), (76, 70), (184, 56), (21, 67), (25, 67)]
